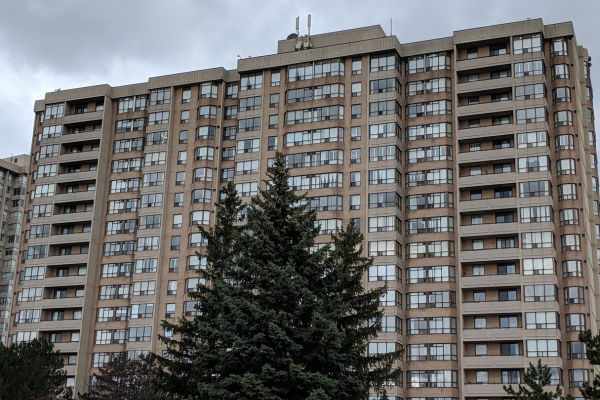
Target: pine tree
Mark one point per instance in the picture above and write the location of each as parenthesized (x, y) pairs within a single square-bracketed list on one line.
[(31, 371), (536, 378), (592, 344), (278, 318), (122, 378)]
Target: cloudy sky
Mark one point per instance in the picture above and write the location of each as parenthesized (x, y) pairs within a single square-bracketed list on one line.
[(66, 44)]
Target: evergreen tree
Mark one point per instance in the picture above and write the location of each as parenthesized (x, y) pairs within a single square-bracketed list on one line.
[(592, 344), (278, 318), (122, 378), (536, 378), (30, 371)]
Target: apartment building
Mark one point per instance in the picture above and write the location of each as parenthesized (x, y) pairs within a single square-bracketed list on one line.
[(13, 180), (469, 163)]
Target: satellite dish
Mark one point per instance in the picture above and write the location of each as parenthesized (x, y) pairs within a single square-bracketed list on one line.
[(292, 36)]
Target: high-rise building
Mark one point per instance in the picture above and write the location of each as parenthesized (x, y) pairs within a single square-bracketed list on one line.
[(13, 181), (469, 163)]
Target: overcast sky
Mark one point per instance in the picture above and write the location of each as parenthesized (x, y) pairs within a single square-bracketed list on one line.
[(67, 44)]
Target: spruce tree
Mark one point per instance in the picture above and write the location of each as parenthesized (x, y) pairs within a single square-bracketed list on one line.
[(535, 378), (592, 344), (122, 378), (278, 318), (31, 371)]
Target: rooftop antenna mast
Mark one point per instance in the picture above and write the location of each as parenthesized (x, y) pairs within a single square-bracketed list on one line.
[(309, 25), (298, 26), (390, 26), (302, 43)]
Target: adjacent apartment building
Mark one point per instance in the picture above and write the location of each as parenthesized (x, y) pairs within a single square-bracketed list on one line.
[(469, 163), (13, 182)]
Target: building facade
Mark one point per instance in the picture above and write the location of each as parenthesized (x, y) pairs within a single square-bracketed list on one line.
[(469, 163), (13, 181)]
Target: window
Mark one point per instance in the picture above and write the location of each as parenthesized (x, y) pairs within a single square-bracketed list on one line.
[(474, 123), (54, 111), (531, 115), (575, 322), (476, 219), (509, 349), (251, 81), (275, 78), (534, 240), (249, 124), (247, 189), (472, 53), (151, 200), (540, 293), (208, 90), (528, 68), (572, 268), (564, 142), (356, 111), (527, 92), (527, 44), (383, 62), (430, 249), (541, 320), (274, 100), (534, 189), (576, 350), (538, 266), (232, 91), (509, 322), (498, 74), (430, 177), (356, 66), (430, 131), (566, 166), (160, 96), (577, 377), (157, 118), (201, 196), (140, 334), (247, 104), (429, 62), (504, 217), (356, 88), (315, 93), (567, 191), (422, 154), (477, 244), (428, 86), (47, 151), (569, 216), (561, 94), (560, 71), (574, 295), (430, 225), (431, 200), (507, 295), (438, 107), (386, 199), (543, 348), (207, 112), (433, 379), (205, 153), (154, 179)]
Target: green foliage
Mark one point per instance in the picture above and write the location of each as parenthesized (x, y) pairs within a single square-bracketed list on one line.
[(276, 320), (592, 344), (535, 378), (30, 371), (122, 378)]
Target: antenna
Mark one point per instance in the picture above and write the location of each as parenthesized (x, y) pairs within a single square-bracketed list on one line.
[(298, 26), (308, 25), (390, 26)]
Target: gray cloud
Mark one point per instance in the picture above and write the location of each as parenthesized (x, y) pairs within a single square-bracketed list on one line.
[(67, 44)]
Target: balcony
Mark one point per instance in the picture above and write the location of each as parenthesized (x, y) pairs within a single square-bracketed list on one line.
[(76, 177), (495, 107), (67, 347), (471, 389), (66, 324), (63, 260), (491, 255), (75, 197), (496, 204), (477, 181), (484, 62), (487, 307), (489, 229), (72, 217), (490, 281), (487, 156), (64, 302), (79, 157), (69, 239), (494, 362), (84, 117), (487, 84), (498, 334), (62, 281)]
